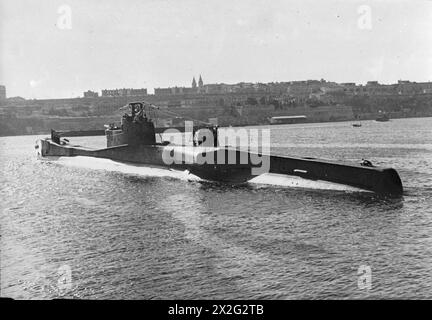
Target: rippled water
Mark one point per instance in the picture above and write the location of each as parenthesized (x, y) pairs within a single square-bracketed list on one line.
[(144, 234)]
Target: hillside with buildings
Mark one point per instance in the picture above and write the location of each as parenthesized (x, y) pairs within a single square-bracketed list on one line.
[(226, 104)]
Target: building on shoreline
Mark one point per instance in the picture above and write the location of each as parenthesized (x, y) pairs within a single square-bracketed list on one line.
[(301, 90), (91, 94), (125, 92), (2, 92)]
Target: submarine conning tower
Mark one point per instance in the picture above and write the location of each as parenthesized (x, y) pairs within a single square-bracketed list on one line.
[(136, 129)]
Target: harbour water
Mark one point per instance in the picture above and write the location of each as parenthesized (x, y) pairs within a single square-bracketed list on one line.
[(139, 233)]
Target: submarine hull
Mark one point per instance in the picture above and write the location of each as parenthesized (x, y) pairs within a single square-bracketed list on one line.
[(236, 166)]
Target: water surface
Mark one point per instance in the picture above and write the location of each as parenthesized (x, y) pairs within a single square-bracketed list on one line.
[(147, 235)]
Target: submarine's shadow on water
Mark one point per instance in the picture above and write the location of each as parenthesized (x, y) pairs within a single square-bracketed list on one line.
[(206, 185), (143, 180), (371, 200), (360, 198)]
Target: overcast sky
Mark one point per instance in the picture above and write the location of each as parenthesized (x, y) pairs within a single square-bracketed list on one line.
[(159, 43)]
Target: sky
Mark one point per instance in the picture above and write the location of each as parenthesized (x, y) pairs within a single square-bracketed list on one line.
[(59, 49)]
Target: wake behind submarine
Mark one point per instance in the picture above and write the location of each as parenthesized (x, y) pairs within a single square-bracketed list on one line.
[(135, 142)]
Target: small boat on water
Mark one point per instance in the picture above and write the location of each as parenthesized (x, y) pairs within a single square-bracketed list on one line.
[(382, 117), (358, 123), (134, 142)]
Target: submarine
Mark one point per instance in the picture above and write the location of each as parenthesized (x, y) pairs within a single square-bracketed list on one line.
[(134, 142)]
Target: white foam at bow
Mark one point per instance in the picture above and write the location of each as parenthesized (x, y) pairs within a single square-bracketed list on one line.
[(298, 182), (129, 168)]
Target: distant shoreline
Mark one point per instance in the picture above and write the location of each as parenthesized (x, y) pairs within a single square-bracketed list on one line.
[(228, 126)]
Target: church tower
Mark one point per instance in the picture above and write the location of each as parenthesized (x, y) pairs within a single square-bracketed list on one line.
[(194, 84), (200, 82)]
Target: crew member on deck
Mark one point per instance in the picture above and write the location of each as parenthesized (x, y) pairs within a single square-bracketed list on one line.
[(55, 137), (139, 110), (215, 136), (194, 137)]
